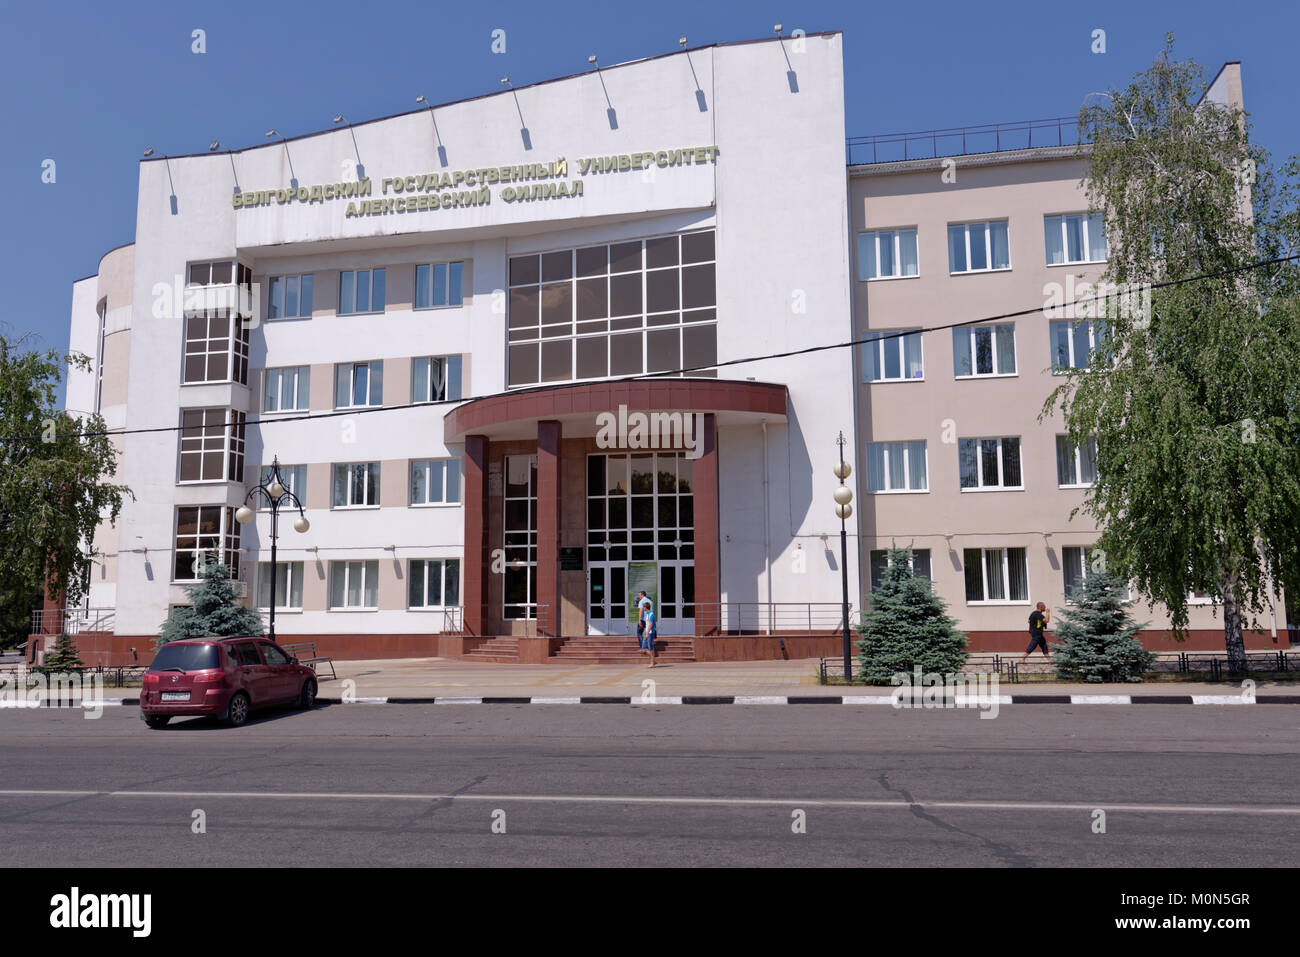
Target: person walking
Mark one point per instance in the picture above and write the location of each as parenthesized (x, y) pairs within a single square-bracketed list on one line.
[(1038, 619), (643, 604), (651, 632)]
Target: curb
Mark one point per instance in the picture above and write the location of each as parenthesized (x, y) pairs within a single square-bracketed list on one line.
[(971, 701)]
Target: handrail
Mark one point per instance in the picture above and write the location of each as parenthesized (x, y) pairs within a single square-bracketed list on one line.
[(761, 617), (1015, 135), (72, 621)]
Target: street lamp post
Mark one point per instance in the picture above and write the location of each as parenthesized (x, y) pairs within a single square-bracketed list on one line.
[(276, 495), (843, 497)]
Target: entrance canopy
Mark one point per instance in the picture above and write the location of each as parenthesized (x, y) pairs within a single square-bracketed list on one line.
[(516, 414)]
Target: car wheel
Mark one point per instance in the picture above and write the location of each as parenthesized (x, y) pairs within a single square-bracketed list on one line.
[(237, 710), (157, 720), (307, 700)]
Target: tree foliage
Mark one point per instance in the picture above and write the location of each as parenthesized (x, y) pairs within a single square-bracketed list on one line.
[(54, 480), (1097, 636), (213, 611), (1196, 405), (908, 625), (64, 656)]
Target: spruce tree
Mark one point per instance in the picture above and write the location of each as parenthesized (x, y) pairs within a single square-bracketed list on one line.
[(64, 657), (1097, 638), (908, 626), (212, 612)]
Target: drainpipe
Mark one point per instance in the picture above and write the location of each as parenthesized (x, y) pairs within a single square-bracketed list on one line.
[(767, 533)]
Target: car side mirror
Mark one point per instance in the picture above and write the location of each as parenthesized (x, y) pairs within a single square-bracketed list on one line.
[(293, 661)]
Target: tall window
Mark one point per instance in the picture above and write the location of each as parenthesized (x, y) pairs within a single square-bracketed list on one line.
[(286, 390), (216, 349), (1077, 564), (361, 290), (294, 479), (978, 247), (290, 297), (435, 482), (892, 354), (358, 384), (880, 562), (885, 254), (1075, 465), (433, 583), (203, 533), (212, 445), (990, 463), (354, 584), (356, 485), (435, 378), (984, 350), (1075, 342), (1075, 238), (439, 284), (520, 599), (288, 585), (896, 467), (996, 575), (622, 309)]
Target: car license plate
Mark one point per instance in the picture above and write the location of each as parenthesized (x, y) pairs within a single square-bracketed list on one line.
[(176, 696)]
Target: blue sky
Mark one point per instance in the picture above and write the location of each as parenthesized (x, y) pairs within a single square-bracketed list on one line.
[(90, 85)]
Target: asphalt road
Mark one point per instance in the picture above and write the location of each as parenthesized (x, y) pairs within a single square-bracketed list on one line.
[(342, 786)]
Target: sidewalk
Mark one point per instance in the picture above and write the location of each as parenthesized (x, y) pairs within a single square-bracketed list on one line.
[(445, 678)]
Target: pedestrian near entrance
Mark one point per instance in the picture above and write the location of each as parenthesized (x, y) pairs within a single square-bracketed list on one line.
[(642, 603), (651, 632), (1038, 619)]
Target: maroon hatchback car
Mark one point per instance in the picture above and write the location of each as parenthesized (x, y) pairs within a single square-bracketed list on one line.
[(225, 678)]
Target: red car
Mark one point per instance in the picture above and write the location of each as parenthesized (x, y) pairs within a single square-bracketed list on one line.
[(226, 678)]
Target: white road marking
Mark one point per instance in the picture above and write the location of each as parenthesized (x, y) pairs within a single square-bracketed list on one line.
[(556, 700), (670, 800), (1220, 699), (759, 699), (1100, 699), (440, 700)]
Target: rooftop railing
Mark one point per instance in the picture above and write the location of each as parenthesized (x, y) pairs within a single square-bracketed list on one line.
[(963, 140)]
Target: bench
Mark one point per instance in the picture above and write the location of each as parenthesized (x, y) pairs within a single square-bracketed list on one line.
[(305, 652)]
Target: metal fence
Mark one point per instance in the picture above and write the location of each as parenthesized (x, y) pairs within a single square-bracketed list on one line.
[(769, 618), (72, 621), (963, 140)]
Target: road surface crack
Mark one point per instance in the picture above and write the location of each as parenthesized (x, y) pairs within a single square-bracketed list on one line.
[(1003, 852)]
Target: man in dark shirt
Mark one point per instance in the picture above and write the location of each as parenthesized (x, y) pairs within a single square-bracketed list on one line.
[(1038, 619)]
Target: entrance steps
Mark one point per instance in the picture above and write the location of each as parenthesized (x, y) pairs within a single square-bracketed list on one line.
[(620, 650), (496, 649)]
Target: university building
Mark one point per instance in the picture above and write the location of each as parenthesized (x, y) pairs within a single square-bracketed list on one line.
[(509, 353), (426, 319)]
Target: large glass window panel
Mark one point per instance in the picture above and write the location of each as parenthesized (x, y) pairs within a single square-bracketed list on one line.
[(893, 360), (876, 467), (897, 465), (1000, 252), (956, 248), (1098, 248), (1082, 347), (1060, 339), (1019, 574), (912, 365), (885, 251), (983, 351), (993, 582), (989, 462), (907, 252), (977, 243), (918, 480), (972, 564), (1006, 349), (1088, 462), (961, 354), (968, 462), (1064, 461), (866, 255), (1011, 477), (1053, 241), (1074, 238)]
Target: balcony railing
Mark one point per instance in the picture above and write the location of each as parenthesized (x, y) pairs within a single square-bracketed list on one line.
[(72, 621), (769, 618), (963, 140)]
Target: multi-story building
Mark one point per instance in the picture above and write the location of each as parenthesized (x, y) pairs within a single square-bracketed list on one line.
[(953, 458), (434, 320), (508, 354)]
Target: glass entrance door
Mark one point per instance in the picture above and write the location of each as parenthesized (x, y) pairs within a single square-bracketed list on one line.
[(607, 599), (640, 511)]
